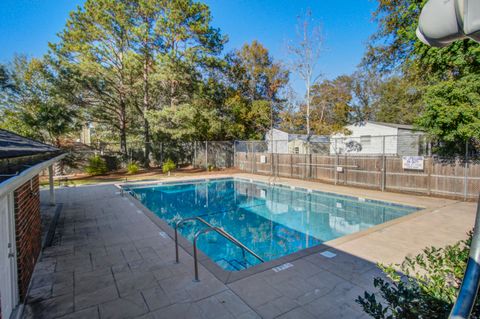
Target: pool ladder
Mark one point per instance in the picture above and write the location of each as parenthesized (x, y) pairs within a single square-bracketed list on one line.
[(209, 228)]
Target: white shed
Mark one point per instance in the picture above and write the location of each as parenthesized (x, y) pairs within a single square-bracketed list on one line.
[(371, 138), (285, 143)]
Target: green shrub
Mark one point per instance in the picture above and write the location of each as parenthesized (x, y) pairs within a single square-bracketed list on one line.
[(132, 168), (113, 162), (168, 166), (96, 166), (426, 286)]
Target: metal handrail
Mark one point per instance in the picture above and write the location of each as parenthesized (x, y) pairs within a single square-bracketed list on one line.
[(231, 238), (225, 235), (468, 290), (209, 228), (177, 224), (195, 258)]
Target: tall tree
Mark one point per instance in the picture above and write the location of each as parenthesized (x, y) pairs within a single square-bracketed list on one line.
[(423, 78), (306, 51), (187, 51), (96, 43), (364, 87), (395, 46), (38, 107), (145, 43), (398, 101), (256, 71), (174, 43), (256, 81), (331, 105), (6, 83), (452, 112), (290, 119), (393, 99)]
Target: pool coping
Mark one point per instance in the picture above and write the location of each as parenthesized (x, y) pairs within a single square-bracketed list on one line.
[(365, 199), (228, 277)]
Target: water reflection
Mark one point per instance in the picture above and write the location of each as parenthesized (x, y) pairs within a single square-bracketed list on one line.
[(271, 221)]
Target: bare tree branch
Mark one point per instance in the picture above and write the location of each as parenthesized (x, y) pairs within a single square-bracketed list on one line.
[(306, 50)]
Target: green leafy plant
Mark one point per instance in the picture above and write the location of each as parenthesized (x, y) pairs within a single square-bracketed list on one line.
[(425, 286), (168, 166), (132, 168), (211, 167), (96, 166)]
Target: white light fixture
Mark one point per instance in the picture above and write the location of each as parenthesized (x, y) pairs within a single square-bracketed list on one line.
[(444, 21)]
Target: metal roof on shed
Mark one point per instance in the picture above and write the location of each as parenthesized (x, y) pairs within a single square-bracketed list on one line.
[(394, 125)]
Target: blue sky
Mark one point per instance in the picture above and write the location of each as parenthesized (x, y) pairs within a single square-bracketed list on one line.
[(26, 27)]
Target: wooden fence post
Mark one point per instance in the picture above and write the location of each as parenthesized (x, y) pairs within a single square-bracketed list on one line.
[(336, 163), (194, 154), (305, 166), (206, 155), (291, 165), (253, 158), (278, 169), (161, 152), (310, 169), (429, 168), (271, 158), (234, 154), (384, 166), (465, 173)]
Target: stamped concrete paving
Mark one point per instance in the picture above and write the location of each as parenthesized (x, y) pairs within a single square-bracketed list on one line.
[(109, 260)]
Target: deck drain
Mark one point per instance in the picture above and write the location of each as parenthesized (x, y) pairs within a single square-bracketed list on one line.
[(282, 267), (163, 234), (328, 254)]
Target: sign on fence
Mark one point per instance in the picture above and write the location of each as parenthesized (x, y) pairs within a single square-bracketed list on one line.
[(412, 162)]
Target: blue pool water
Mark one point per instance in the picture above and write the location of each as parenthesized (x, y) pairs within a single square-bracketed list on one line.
[(273, 221)]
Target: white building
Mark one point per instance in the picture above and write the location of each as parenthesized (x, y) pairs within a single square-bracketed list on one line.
[(285, 143), (371, 138)]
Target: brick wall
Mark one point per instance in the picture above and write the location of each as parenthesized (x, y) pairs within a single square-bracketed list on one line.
[(28, 231)]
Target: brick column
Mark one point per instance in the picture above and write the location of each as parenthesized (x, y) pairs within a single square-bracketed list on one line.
[(28, 231)]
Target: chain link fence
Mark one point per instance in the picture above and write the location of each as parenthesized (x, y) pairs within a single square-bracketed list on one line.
[(401, 163), (203, 154)]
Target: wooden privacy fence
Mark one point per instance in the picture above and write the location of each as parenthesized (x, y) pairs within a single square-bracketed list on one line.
[(445, 177)]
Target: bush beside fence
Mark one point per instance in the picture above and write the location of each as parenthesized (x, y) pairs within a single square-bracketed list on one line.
[(373, 162)]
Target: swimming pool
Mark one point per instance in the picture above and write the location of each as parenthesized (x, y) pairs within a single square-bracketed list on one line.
[(272, 221)]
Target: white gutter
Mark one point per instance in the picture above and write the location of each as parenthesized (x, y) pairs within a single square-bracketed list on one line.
[(14, 182)]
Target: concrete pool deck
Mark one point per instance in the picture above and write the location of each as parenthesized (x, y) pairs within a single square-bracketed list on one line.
[(109, 260)]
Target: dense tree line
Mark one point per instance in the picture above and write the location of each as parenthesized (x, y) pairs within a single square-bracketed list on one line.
[(150, 71), (402, 80), (143, 70), (437, 89)]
